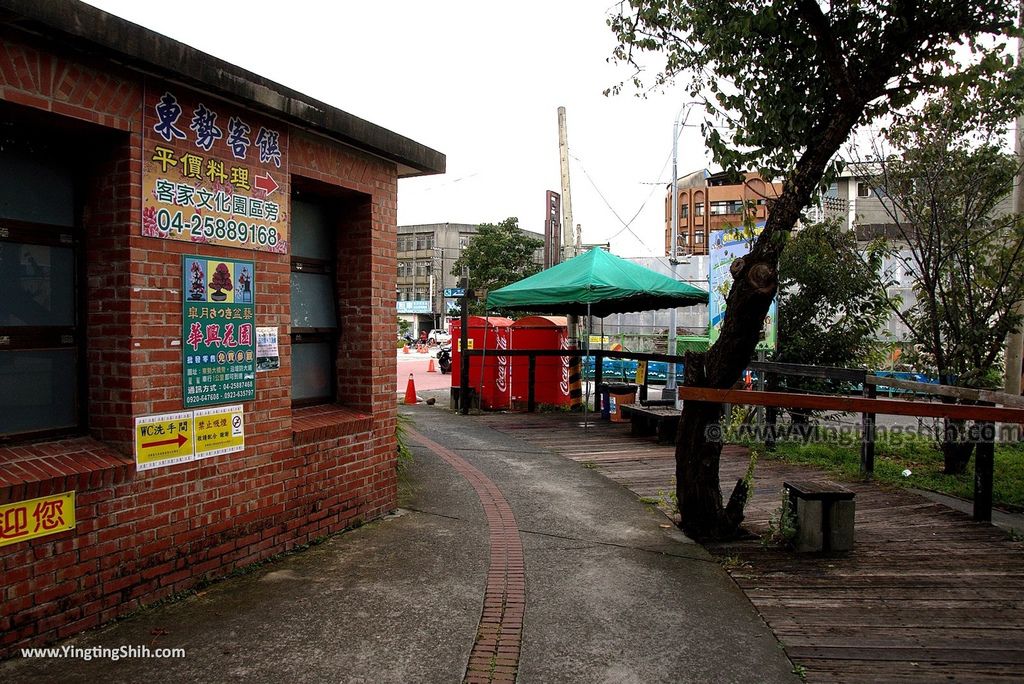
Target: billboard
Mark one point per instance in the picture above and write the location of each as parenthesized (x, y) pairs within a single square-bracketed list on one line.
[(212, 174), (726, 246)]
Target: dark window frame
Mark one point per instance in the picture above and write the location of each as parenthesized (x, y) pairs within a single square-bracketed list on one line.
[(52, 337), (318, 335)]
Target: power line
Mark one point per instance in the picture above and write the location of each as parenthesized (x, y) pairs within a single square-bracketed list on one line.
[(626, 225)]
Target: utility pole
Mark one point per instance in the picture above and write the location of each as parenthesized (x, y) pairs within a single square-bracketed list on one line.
[(673, 250), (568, 241), (1015, 340), (568, 252)]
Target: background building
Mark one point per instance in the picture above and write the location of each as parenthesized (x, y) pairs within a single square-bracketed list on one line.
[(712, 202), (426, 254)]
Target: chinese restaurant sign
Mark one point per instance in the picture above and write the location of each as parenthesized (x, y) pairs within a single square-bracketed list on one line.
[(213, 175), (218, 337), (37, 518)]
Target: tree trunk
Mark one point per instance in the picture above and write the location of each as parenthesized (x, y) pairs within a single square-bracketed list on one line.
[(755, 281), (800, 426), (957, 447), (700, 498)]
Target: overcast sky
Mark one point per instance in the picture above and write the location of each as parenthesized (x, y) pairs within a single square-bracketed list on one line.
[(480, 82)]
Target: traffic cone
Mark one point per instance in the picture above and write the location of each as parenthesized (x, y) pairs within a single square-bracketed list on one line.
[(430, 367), (410, 392)]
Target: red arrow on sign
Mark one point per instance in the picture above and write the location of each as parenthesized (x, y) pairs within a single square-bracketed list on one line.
[(266, 183), (180, 439)]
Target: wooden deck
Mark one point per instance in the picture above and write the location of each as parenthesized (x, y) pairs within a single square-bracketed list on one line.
[(926, 595)]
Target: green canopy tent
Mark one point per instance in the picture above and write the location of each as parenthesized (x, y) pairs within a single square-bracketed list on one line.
[(595, 284), (598, 284)]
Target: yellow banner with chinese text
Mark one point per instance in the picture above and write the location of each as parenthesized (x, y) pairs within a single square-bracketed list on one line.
[(37, 518)]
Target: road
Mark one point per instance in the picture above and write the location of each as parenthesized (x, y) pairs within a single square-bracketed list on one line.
[(417, 364)]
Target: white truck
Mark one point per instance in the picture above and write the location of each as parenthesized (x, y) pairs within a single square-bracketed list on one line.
[(438, 336)]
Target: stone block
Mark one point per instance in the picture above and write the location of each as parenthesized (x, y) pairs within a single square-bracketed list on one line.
[(808, 526), (841, 534)]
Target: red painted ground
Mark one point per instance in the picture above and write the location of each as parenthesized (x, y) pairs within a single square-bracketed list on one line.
[(417, 364)]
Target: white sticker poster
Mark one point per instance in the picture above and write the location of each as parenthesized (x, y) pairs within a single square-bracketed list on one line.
[(267, 355)]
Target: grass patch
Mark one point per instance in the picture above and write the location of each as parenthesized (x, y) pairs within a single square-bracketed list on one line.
[(896, 453)]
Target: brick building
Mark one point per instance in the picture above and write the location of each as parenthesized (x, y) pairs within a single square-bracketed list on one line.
[(197, 282), (713, 202)]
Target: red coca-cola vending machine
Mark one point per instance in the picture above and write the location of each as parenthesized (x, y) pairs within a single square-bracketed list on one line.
[(551, 384), (488, 375)]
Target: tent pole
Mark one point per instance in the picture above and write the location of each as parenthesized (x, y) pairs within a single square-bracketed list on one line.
[(586, 401)]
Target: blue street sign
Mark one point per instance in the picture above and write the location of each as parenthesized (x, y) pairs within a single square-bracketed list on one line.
[(452, 292)]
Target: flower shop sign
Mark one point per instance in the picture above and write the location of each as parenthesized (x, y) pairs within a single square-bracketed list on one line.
[(213, 175), (218, 334)]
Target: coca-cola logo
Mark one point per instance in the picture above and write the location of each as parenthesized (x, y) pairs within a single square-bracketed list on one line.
[(563, 343), (502, 344)]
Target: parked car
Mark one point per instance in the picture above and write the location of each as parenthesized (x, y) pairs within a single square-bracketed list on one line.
[(438, 337)]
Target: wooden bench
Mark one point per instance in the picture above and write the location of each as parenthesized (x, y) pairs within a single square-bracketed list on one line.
[(823, 513), (662, 421)]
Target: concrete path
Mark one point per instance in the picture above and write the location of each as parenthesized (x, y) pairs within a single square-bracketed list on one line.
[(505, 562)]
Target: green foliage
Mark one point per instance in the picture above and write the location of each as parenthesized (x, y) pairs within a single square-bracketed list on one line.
[(771, 73), (783, 84), (839, 455), (737, 423), (966, 251), (733, 562), (498, 255), (781, 524), (830, 305), (405, 457), (668, 500)]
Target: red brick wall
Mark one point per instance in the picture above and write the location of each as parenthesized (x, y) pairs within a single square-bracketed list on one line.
[(145, 535)]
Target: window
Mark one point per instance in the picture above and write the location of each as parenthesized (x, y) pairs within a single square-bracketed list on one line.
[(684, 211), (726, 207), (698, 209), (698, 237), (314, 321), (41, 327), (863, 190)]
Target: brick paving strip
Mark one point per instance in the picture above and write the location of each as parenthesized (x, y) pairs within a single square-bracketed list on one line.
[(495, 654)]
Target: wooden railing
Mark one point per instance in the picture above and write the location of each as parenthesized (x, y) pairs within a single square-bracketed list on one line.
[(983, 411)]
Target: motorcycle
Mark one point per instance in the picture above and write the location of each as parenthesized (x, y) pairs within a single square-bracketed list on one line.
[(444, 359)]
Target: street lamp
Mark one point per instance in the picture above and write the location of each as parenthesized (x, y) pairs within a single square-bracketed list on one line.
[(684, 114)]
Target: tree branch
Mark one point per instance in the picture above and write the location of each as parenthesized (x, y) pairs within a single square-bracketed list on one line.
[(828, 48)]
